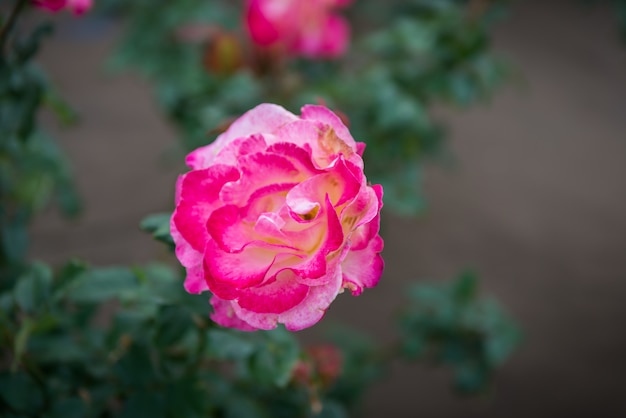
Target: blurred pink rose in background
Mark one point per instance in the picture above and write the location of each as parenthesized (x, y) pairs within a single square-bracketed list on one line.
[(78, 7), (321, 366), (276, 217), (304, 27)]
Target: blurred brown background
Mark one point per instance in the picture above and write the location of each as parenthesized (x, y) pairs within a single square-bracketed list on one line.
[(536, 203)]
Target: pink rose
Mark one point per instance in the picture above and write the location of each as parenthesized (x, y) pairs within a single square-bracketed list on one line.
[(303, 27), (78, 7), (322, 365), (276, 217), (51, 5)]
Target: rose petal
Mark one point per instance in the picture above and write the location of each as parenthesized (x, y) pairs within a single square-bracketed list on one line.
[(338, 183), (327, 117), (308, 228), (224, 315), (328, 38), (269, 226), (336, 37), (79, 7), (305, 314), (306, 28), (178, 187), (314, 306), (325, 144), (194, 280), (233, 228), (261, 24), (191, 259), (226, 229), (264, 321), (51, 5), (365, 209), (231, 153), (275, 169), (265, 118), (363, 268), (299, 157), (199, 195), (238, 271), (360, 148), (277, 297), (313, 270)]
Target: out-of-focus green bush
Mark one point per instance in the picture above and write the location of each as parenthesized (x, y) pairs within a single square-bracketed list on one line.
[(81, 341), (33, 170), (405, 57)]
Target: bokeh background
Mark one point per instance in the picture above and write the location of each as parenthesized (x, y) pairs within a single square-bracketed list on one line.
[(534, 200)]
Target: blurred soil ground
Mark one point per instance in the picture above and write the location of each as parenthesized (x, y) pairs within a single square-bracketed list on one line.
[(535, 202)]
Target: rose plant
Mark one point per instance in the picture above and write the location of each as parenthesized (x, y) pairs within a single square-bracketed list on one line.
[(406, 59), (276, 217), (34, 171)]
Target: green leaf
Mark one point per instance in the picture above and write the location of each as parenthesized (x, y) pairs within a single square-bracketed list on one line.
[(144, 404), (159, 226), (160, 284), (275, 360), (470, 377), (33, 288), (58, 348), (456, 327), (331, 409), (62, 109), (466, 286), (26, 50), (362, 364), (20, 342), (21, 393), (173, 322), (7, 302), (68, 199), (135, 368), (14, 238), (68, 408), (229, 344), (503, 342), (240, 406), (31, 97), (98, 285), (70, 271), (186, 398)]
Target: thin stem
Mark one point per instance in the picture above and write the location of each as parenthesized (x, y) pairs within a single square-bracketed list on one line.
[(8, 27)]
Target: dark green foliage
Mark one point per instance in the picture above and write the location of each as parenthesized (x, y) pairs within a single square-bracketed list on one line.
[(196, 101), (33, 170), (450, 324), (405, 57), (118, 341), (158, 225), (421, 54), (364, 363), (620, 7), (81, 341), (68, 349)]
